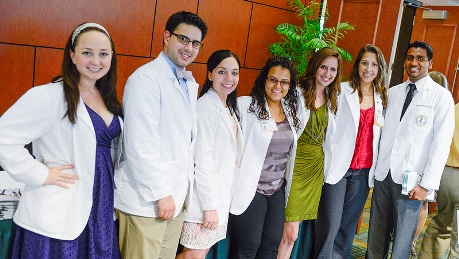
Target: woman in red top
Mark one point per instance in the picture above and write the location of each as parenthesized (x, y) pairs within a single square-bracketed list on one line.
[(354, 150)]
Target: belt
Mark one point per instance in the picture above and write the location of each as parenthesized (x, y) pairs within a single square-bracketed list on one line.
[(453, 167)]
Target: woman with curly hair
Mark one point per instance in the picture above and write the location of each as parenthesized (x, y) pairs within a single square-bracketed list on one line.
[(269, 120), (354, 151), (319, 88)]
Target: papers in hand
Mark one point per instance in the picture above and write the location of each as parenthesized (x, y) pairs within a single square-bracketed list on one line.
[(412, 179), (9, 199)]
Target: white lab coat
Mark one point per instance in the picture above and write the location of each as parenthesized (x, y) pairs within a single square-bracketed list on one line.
[(39, 117), (420, 141), (256, 143), (343, 142), (160, 130), (217, 155)]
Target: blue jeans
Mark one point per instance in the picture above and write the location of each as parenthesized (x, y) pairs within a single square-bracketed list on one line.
[(391, 214), (339, 211)]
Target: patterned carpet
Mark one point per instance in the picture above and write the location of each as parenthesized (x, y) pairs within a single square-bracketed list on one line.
[(360, 241)]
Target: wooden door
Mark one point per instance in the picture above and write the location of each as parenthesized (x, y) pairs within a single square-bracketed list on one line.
[(442, 35)]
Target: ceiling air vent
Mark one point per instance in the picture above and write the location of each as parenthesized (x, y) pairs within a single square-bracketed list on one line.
[(434, 14)]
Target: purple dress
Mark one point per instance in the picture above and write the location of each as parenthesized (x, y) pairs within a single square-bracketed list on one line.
[(99, 238)]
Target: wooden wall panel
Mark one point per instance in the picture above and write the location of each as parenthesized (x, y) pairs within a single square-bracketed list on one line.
[(263, 33), (374, 21), (387, 23), (284, 4), (126, 66), (47, 65), (40, 28), (50, 23), (443, 42), (354, 12), (16, 73), (225, 32), (164, 9), (246, 81), (443, 36)]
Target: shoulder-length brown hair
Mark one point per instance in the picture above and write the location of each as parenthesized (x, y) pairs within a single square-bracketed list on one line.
[(380, 80), (308, 80), (71, 77)]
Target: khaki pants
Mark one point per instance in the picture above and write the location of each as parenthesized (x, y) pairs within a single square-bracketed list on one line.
[(441, 233), (144, 237)]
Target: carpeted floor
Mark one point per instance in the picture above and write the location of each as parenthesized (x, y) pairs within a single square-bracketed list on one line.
[(360, 241)]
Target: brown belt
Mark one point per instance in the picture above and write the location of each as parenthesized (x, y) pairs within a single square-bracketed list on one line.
[(453, 167)]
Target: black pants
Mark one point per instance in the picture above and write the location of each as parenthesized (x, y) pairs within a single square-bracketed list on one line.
[(257, 232)]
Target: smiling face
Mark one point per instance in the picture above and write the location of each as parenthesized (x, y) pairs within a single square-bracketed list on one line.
[(326, 72), (276, 91), (92, 57), (368, 68), (416, 64), (180, 54), (225, 78)]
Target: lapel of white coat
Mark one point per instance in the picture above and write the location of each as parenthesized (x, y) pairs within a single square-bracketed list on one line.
[(83, 115), (418, 98), (352, 98), (223, 113)]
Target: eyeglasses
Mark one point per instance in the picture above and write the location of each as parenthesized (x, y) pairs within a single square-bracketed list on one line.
[(185, 41), (273, 80)]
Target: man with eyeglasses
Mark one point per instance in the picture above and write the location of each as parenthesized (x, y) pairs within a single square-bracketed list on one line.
[(159, 131), (415, 140)]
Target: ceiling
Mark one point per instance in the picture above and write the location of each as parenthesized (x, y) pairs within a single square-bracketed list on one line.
[(440, 2)]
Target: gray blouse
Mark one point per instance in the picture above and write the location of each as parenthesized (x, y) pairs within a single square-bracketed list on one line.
[(273, 171)]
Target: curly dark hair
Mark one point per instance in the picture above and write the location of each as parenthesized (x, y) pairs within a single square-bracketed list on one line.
[(188, 18), (213, 61), (71, 77), (258, 93), (308, 80), (380, 79)]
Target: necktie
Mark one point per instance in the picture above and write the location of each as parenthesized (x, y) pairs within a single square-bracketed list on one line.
[(408, 99), (182, 73)]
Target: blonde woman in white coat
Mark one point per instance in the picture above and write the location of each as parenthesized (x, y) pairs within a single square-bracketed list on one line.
[(218, 151), (354, 150), (269, 122), (66, 210)]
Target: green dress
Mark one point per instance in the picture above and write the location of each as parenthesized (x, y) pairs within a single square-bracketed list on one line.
[(308, 172)]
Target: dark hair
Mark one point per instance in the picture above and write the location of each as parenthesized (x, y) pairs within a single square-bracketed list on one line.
[(71, 77), (188, 18), (216, 58), (423, 45), (380, 79), (258, 93), (308, 80)]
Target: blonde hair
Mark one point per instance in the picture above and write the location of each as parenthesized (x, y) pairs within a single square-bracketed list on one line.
[(439, 78)]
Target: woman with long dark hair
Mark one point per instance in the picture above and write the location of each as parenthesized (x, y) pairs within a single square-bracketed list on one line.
[(218, 151), (66, 209)]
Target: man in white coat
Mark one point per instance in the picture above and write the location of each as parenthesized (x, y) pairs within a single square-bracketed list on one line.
[(160, 127), (416, 136)]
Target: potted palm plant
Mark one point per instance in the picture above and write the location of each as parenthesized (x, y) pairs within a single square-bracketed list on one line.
[(299, 42)]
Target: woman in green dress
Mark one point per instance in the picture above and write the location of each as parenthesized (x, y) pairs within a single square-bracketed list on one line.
[(319, 88)]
